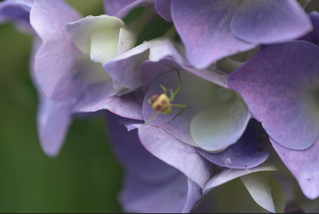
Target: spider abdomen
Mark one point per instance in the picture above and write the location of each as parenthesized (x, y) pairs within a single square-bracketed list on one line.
[(161, 103)]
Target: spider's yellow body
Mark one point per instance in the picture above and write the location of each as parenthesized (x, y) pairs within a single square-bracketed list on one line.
[(161, 103)]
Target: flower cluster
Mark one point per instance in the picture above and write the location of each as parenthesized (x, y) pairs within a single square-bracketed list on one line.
[(191, 109)]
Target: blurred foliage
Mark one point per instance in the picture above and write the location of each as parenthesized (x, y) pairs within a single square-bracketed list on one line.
[(85, 177), (312, 6), (155, 28)]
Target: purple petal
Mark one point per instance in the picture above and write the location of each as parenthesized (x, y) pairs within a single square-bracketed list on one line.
[(150, 71), (54, 119), (129, 63), (303, 165), (315, 21), (230, 174), (313, 36), (125, 69), (150, 180), (126, 106), (101, 96), (49, 19), (270, 21), (163, 8), (279, 85), (55, 58), (136, 159), (120, 8), (174, 196), (177, 154), (96, 97), (204, 27), (187, 127), (245, 154), (207, 74), (18, 10), (37, 42), (194, 193), (54, 69), (179, 127)]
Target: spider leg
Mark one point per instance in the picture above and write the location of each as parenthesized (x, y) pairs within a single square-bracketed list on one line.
[(150, 100), (164, 89), (178, 106), (149, 120), (179, 80), (172, 97)]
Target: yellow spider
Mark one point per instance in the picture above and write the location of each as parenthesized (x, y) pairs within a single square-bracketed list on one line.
[(162, 104)]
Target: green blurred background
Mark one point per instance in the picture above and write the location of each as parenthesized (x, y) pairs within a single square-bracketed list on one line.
[(85, 177)]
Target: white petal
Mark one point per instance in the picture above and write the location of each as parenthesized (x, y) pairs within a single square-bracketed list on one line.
[(104, 45), (126, 41), (265, 190), (81, 31)]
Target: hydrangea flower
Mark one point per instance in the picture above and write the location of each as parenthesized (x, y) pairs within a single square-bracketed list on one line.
[(161, 138), (157, 137), (212, 30), (66, 72), (203, 105), (69, 79), (280, 86), (89, 64), (215, 117), (153, 185)]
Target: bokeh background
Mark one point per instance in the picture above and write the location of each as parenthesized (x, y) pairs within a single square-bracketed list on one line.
[(85, 177)]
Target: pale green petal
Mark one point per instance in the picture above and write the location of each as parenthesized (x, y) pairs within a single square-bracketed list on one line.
[(222, 124), (95, 35), (266, 191), (104, 45), (126, 41), (233, 197), (89, 71)]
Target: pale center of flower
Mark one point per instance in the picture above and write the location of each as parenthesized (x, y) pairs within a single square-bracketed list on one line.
[(226, 94), (104, 45), (89, 71), (101, 39)]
